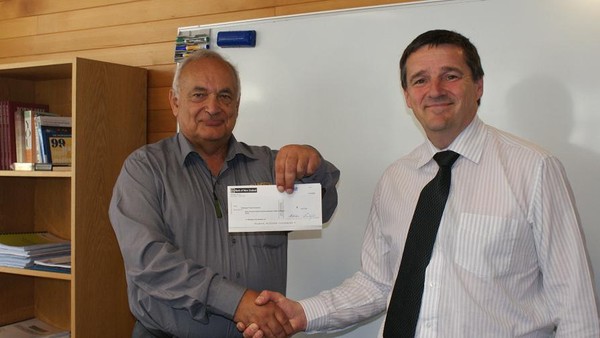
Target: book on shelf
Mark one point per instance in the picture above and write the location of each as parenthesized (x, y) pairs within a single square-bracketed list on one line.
[(32, 328), (22, 166), (26, 166), (31, 141), (53, 264), (19, 136), (27, 261), (30, 241), (51, 167), (21, 250), (39, 253), (54, 139), (12, 134)]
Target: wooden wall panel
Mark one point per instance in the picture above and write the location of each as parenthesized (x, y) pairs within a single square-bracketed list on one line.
[(21, 8), (132, 32), (101, 38), (318, 6)]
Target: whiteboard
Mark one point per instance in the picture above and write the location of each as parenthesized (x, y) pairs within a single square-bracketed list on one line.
[(331, 80)]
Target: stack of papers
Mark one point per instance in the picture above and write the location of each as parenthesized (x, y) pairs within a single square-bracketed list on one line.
[(54, 264), (20, 250), (32, 328)]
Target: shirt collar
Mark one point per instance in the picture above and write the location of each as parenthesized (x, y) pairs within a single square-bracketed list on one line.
[(186, 148), (469, 143)]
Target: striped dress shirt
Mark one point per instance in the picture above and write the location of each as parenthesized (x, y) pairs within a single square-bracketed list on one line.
[(509, 258)]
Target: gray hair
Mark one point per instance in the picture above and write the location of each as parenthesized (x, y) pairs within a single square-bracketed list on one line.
[(204, 54)]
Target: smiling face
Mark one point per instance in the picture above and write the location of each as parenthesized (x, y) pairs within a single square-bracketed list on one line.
[(441, 92), (206, 104)]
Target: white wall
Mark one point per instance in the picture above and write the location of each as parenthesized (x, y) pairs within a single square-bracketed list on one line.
[(331, 80)]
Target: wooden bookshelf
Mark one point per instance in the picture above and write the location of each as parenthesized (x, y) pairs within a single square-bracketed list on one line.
[(107, 103), (36, 273)]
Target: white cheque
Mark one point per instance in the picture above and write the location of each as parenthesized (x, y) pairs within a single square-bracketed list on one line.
[(264, 208)]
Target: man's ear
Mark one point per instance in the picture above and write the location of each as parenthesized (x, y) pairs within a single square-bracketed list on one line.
[(173, 102), (406, 99), (479, 84)]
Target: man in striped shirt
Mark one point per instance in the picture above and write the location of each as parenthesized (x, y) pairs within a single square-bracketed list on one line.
[(509, 258)]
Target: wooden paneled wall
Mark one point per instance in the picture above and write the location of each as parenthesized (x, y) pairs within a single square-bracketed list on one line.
[(132, 32)]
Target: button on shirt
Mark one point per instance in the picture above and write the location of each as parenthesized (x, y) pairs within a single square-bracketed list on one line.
[(185, 272), (508, 261)]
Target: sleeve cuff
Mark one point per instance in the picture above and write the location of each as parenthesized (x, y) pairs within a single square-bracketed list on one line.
[(316, 313), (224, 297)]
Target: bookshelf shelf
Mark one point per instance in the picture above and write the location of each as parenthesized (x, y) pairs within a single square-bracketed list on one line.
[(35, 273), (13, 173), (107, 103)]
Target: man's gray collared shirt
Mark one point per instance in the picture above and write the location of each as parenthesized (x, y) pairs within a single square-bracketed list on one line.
[(185, 272)]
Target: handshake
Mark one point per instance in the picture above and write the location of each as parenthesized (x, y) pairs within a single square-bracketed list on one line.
[(269, 315)]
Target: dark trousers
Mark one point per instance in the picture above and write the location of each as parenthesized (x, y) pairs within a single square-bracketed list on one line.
[(140, 331)]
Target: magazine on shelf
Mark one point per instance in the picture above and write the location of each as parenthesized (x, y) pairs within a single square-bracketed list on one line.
[(19, 260), (32, 328), (31, 241), (20, 250), (54, 135), (60, 263)]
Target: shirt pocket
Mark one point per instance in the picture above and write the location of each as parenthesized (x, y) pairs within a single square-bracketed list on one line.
[(484, 244)]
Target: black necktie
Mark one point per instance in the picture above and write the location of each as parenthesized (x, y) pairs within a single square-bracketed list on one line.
[(403, 311)]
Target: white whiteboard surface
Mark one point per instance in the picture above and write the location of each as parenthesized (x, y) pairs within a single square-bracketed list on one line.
[(331, 80)]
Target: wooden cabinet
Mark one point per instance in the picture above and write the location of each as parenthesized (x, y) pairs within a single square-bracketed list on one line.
[(107, 103)]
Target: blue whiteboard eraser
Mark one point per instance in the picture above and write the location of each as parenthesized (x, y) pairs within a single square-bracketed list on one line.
[(236, 39)]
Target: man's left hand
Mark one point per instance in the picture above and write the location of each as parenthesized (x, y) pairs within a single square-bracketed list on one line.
[(294, 162)]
